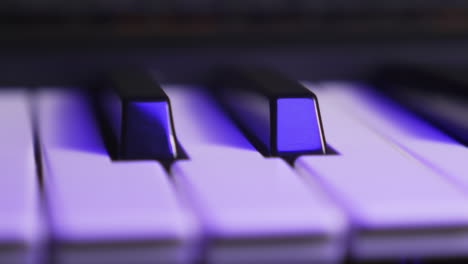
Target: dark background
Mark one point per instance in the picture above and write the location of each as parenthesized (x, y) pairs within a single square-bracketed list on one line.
[(69, 42)]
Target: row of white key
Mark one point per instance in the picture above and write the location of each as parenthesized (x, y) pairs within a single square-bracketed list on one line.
[(253, 209), (249, 208), (242, 199), (399, 207), (414, 135)]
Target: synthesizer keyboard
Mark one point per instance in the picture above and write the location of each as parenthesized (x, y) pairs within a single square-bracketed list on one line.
[(391, 187)]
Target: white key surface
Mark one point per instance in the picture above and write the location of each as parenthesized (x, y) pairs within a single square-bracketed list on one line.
[(204, 129), (398, 206), (253, 208), (414, 135), (93, 200), (21, 229)]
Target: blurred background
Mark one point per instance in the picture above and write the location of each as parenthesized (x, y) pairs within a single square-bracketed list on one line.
[(58, 42)]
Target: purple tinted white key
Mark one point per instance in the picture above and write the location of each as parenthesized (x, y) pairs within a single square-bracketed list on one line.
[(414, 135), (253, 209), (66, 122), (204, 128), (399, 207), (104, 211), (21, 229)]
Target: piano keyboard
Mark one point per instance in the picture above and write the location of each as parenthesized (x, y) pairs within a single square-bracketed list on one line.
[(390, 188)]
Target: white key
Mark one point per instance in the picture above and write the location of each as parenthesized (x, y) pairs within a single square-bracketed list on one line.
[(399, 208), (103, 211), (21, 229), (417, 137), (253, 209), (204, 129)]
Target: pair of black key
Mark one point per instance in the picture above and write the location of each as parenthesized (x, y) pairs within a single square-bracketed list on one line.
[(279, 116)]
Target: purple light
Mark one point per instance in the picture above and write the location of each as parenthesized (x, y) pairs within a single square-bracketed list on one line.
[(149, 131), (297, 126), (253, 110)]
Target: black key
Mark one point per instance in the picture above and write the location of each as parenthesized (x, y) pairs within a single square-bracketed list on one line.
[(280, 116), (137, 116)]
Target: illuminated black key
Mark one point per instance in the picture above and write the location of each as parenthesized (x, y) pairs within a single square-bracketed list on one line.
[(137, 116), (280, 116)]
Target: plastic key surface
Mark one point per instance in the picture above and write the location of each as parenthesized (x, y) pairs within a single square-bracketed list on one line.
[(137, 116), (253, 209), (402, 127), (22, 230), (279, 115), (399, 207), (103, 211)]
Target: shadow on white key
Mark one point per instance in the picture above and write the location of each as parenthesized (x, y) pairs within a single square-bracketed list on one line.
[(21, 229), (252, 209), (204, 129), (103, 211), (399, 208)]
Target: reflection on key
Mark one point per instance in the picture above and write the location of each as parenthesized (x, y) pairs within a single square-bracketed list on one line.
[(280, 116), (21, 225), (399, 207), (137, 112), (253, 209), (103, 211)]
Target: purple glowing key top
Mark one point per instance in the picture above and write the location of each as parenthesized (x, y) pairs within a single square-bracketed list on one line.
[(278, 115), (399, 207), (21, 229), (137, 117), (253, 209), (103, 211)]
